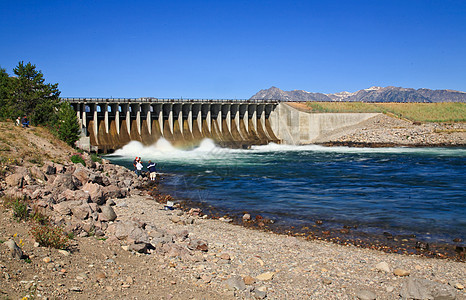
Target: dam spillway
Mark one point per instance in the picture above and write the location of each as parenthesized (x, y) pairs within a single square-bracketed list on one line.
[(110, 123)]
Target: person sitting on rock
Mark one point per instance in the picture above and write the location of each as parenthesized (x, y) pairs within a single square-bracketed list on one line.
[(25, 121), (152, 170)]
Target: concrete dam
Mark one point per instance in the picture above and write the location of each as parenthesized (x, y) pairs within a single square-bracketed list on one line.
[(110, 123)]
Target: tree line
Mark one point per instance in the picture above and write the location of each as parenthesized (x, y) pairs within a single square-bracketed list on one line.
[(27, 94)]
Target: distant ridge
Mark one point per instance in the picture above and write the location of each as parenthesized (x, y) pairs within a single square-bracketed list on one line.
[(372, 94)]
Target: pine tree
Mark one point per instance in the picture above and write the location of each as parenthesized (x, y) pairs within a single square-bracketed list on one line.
[(5, 81), (68, 126), (32, 96)]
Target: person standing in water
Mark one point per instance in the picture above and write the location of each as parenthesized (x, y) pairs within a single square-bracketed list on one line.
[(152, 170)]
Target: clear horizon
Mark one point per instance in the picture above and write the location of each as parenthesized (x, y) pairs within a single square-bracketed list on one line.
[(233, 49)]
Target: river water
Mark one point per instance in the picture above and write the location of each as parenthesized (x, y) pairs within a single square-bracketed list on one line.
[(420, 191)]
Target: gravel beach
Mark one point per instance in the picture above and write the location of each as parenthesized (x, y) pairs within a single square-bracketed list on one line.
[(236, 263)]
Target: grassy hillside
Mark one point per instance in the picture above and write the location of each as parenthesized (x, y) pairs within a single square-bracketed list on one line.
[(25, 146), (421, 112)]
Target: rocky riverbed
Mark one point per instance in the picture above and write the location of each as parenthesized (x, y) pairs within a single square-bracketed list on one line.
[(127, 245)]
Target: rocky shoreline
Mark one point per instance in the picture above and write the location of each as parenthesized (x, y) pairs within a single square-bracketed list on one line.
[(128, 245)]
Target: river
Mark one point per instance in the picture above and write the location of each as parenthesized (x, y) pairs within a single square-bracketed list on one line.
[(410, 191)]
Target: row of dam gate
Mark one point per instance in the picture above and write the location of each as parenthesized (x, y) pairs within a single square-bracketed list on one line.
[(109, 124)]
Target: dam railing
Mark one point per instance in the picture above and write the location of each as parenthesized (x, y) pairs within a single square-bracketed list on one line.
[(164, 100)]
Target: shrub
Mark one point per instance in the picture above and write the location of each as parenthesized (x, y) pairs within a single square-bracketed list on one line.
[(96, 158), (20, 210), (78, 159), (50, 236)]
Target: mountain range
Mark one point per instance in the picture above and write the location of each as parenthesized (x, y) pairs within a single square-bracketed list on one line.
[(373, 94)]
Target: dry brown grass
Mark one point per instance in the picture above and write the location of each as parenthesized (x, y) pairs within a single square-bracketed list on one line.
[(34, 145)]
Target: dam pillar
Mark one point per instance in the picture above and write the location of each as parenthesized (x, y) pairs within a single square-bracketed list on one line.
[(125, 109), (274, 118), (189, 109), (170, 117), (261, 115), (208, 116), (158, 111), (137, 108), (197, 114), (146, 110), (116, 110), (178, 112), (226, 115), (217, 115), (235, 115), (243, 109), (96, 121), (77, 109), (252, 109), (168, 111), (105, 107), (84, 118)]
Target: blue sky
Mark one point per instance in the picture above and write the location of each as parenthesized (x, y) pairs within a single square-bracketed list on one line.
[(232, 49)]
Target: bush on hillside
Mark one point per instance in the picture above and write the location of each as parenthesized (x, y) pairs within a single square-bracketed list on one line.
[(50, 236), (78, 159)]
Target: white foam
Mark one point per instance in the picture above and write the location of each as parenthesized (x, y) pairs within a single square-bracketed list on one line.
[(207, 151)]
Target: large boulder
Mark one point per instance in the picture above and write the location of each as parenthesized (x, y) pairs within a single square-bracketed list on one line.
[(61, 169), (15, 180), (63, 182), (113, 191), (32, 191), (21, 170), (38, 193), (16, 251), (415, 288), (82, 211), (95, 192), (82, 174), (49, 168), (99, 179), (37, 173), (107, 214), (130, 231), (66, 207), (77, 195)]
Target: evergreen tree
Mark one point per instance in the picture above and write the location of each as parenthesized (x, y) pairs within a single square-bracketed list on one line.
[(68, 126), (32, 96), (4, 94)]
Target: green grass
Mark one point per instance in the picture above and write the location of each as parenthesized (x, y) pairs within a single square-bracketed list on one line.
[(342, 107), (447, 112), (78, 159)]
